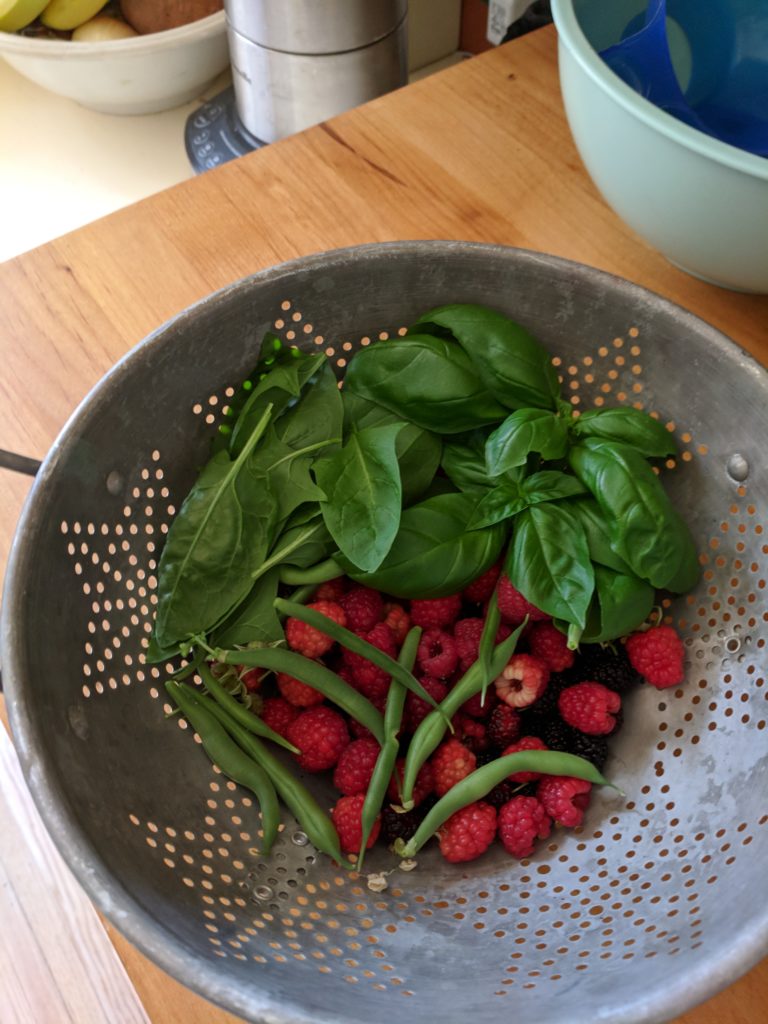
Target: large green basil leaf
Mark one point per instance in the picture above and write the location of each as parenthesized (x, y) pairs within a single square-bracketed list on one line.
[(645, 529), (494, 506), (434, 554), (550, 485), (598, 534), (548, 561), (630, 426), (511, 363), (255, 621), (363, 496), (620, 605), (429, 381), (525, 431), (463, 461)]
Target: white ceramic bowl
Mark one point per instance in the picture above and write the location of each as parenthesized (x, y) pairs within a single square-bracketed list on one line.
[(139, 75), (701, 202)]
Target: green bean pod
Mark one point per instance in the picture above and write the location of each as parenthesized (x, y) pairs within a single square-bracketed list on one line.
[(385, 763), (241, 714), (315, 574), (432, 729), (229, 757), (488, 641), (480, 782), (313, 674), (300, 802)]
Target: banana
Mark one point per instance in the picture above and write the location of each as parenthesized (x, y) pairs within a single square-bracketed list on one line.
[(16, 14), (64, 15)]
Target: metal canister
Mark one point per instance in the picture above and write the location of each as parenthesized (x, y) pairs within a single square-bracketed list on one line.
[(298, 62)]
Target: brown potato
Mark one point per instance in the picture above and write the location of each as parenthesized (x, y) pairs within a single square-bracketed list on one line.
[(159, 15)]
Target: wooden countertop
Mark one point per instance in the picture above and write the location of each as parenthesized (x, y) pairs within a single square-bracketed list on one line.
[(480, 152)]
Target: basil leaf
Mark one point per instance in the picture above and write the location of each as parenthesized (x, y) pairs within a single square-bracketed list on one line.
[(510, 362), (631, 426), (549, 485), (464, 462), (429, 381), (645, 529), (434, 554), (598, 535), (621, 604), (363, 495), (525, 431), (548, 561), (255, 621), (496, 505)]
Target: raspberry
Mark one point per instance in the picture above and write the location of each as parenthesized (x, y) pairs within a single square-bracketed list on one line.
[(523, 680), (355, 766), (522, 821), (475, 706), (514, 607), (310, 641), (423, 787), (320, 734), (658, 655), (437, 653), (504, 725), (468, 833), (369, 679), (298, 693), (398, 620), (440, 611), (564, 799), (547, 642), (526, 743), (589, 707), (416, 708), (251, 678), (607, 666), (480, 590), (347, 820), (471, 732), (331, 590), (467, 633), (363, 607), (451, 762), (278, 714), (399, 825)]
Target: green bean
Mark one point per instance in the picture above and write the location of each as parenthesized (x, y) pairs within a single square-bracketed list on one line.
[(480, 782), (300, 802), (191, 667), (432, 729), (313, 674), (316, 574), (229, 757), (301, 595), (385, 763), (242, 715), (355, 643), (488, 641)]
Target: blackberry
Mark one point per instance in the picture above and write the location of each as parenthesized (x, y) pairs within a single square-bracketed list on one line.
[(501, 794), (608, 666), (547, 702), (592, 748), (557, 735), (399, 826)]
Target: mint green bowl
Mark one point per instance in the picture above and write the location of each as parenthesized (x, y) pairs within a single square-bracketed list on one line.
[(699, 201)]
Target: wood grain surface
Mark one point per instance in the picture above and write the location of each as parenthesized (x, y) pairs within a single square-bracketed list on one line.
[(479, 152)]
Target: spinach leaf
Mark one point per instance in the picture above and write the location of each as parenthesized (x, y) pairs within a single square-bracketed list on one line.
[(255, 621), (317, 416), (631, 426), (362, 490), (548, 561), (433, 553), (621, 603), (525, 431), (429, 381), (550, 485), (501, 502), (598, 534), (463, 460), (510, 362), (285, 471), (219, 536), (303, 542), (645, 529)]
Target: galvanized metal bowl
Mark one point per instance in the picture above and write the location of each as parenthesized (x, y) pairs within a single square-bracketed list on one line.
[(656, 902)]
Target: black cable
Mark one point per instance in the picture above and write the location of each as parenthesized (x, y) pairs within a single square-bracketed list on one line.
[(18, 463)]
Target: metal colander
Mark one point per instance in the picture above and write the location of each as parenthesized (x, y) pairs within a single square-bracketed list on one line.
[(657, 901)]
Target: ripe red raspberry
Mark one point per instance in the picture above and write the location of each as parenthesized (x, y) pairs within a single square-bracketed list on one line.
[(440, 611), (480, 590), (564, 799), (398, 620), (310, 641), (451, 762), (369, 679), (320, 734), (355, 766), (468, 833), (547, 642), (658, 655), (525, 743), (471, 732), (514, 607), (347, 820), (467, 633), (479, 708), (298, 693), (278, 714), (436, 654), (589, 707), (422, 788), (416, 709), (504, 726), (522, 821), (523, 680), (331, 590), (251, 678), (363, 607)]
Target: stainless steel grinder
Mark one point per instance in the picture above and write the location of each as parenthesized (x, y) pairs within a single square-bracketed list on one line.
[(298, 62)]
